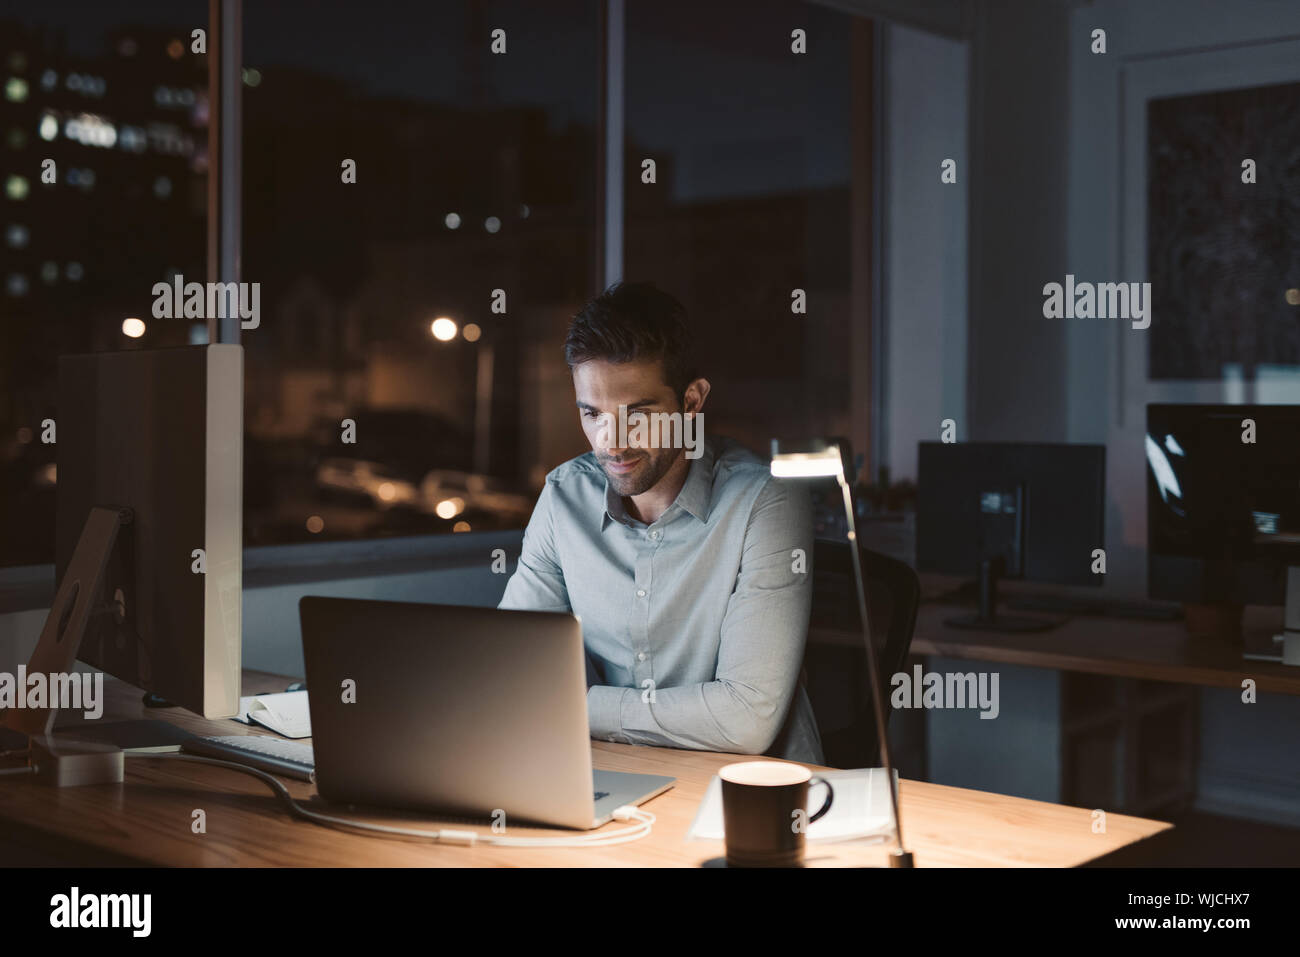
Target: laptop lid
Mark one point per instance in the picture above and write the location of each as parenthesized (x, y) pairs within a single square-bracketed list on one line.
[(449, 708)]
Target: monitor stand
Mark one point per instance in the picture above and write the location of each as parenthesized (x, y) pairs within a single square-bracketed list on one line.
[(988, 619), (1287, 641), (89, 754), (1290, 637)]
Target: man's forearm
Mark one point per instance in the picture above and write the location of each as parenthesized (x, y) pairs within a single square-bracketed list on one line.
[(712, 716)]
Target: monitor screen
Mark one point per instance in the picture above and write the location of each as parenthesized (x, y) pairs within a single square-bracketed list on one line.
[(1040, 507), (1223, 501)]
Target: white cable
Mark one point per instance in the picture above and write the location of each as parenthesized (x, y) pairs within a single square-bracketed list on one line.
[(446, 836)]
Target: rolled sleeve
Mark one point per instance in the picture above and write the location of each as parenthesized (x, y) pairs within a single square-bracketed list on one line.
[(605, 711)]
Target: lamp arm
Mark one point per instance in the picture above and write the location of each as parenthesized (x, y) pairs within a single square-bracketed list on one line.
[(901, 857)]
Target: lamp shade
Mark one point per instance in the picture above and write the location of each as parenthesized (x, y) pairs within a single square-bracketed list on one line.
[(816, 459), (813, 465)]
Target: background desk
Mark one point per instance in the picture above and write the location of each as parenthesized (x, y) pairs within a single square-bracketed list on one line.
[(147, 819), (1111, 718), (1148, 650)]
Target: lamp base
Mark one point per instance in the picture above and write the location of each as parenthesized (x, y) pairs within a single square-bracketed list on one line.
[(900, 858)]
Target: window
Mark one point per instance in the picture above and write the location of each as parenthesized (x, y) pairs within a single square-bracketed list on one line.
[(1223, 257), (403, 376), (421, 211), (117, 101), (752, 146)]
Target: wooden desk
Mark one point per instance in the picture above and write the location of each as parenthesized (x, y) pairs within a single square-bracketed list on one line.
[(1149, 650), (147, 819)]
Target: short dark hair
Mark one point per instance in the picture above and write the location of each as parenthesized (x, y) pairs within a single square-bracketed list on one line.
[(631, 321)]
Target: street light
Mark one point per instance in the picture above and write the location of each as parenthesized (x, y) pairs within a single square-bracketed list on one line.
[(443, 329)]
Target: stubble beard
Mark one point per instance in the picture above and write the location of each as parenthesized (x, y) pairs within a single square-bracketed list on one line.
[(656, 464)]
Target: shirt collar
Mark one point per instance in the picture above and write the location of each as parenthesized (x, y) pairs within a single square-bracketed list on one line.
[(613, 511), (695, 497), (697, 494)]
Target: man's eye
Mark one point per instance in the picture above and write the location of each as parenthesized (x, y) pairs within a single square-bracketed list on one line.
[(591, 414)]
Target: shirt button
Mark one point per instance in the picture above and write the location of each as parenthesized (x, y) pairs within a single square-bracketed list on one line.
[(640, 593), (640, 656), (654, 536)]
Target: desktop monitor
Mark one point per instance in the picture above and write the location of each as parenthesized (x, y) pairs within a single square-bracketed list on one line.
[(1223, 502), (1032, 511), (157, 435)]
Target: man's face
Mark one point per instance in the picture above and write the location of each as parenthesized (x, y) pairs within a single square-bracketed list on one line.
[(601, 388)]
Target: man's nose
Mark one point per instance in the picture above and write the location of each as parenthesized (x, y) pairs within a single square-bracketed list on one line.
[(607, 433)]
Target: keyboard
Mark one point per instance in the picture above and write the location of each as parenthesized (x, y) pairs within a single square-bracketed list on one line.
[(273, 755)]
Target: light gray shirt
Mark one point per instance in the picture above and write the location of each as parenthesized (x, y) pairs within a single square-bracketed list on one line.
[(695, 624)]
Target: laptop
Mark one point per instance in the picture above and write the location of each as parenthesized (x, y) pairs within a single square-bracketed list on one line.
[(469, 711)]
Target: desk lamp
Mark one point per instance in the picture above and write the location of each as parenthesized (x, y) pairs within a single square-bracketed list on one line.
[(823, 459)]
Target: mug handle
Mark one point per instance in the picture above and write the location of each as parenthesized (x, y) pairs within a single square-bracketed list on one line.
[(830, 796)]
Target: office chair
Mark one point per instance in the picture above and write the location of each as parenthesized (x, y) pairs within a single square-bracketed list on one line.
[(838, 682)]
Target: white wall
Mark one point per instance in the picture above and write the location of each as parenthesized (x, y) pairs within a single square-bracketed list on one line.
[(1048, 156), (924, 250), (1246, 764), (1169, 45)]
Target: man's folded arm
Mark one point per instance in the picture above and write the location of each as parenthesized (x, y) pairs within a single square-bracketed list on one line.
[(764, 632)]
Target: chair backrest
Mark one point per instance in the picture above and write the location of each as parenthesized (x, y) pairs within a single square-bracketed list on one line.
[(893, 593)]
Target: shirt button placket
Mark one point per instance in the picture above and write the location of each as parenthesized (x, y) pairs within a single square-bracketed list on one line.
[(641, 629)]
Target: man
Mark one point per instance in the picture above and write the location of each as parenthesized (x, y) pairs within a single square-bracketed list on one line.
[(688, 564)]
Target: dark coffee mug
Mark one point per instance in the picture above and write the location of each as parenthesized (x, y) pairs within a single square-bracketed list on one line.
[(764, 812)]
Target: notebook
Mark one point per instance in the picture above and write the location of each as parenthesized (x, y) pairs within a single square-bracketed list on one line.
[(284, 713), (860, 810)]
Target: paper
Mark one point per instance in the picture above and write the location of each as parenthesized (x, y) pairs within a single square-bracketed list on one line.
[(285, 713), (861, 808)]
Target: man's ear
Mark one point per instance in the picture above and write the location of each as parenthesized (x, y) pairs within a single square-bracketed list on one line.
[(696, 393)]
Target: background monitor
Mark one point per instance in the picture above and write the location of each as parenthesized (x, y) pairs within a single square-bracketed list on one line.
[(1223, 502), (1033, 511), (159, 432)]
